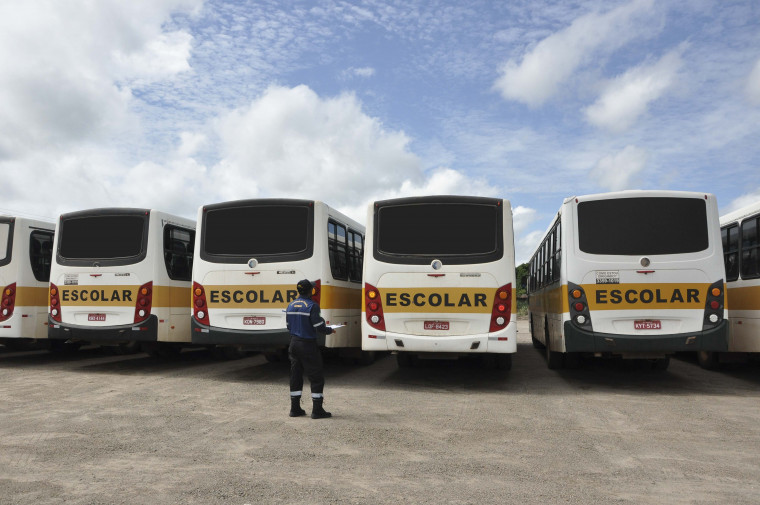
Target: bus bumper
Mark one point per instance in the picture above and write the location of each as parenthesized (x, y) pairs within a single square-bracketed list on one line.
[(577, 340), (501, 342), (251, 340), (146, 331)]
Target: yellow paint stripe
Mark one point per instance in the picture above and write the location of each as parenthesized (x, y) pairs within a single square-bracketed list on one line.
[(172, 296), (110, 296), (30, 296), (646, 296), (337, 297), (551, 300), (437, 300), (743, 298), (277, 296)]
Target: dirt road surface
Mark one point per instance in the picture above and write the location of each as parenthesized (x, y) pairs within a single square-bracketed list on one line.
[(94, 428)]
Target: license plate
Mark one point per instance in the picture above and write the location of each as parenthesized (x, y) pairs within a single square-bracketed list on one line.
[(254, 320), (436, 325), (96, 317), (647, 325)]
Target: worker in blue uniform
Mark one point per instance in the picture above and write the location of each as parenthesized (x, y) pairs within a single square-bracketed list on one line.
[(304, 322)]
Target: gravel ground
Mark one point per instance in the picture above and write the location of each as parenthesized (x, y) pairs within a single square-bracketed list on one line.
[(93, 428)]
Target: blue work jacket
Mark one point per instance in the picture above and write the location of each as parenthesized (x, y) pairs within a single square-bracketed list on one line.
[(303, 319)]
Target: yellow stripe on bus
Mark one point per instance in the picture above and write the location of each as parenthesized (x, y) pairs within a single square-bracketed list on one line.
[(646, 296), (275, 296), (550, 300), (122, 296), (437, 300), (337, 297), (27, 296), (743, 298)]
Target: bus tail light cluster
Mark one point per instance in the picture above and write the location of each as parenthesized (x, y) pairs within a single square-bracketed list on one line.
[(373, 307), (9, 302), (144, 302), (714, 305), (316, 291), (579, 311), (55, 303), (501, 313), (200, 307)]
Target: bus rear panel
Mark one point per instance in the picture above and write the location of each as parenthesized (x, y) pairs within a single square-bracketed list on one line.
[(441, 277)]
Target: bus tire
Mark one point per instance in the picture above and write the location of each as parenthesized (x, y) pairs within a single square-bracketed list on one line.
[(661, 364), (709, 360), (553, 359), (124, 348), (367, 358), (405, 360), (503, 361)]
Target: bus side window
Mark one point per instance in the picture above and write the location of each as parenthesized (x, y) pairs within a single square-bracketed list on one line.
[(730, 238), (750, 264), (41, 254), (355, 256), (336, 242), (178, 252)]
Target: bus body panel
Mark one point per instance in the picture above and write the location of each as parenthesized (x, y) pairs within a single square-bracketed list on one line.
[(623, 294), (100, 303), (440, 310), (246, 305), (29, 316), (743, 283)]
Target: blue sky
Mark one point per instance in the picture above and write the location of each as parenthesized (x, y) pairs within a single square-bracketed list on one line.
[(172, 104)]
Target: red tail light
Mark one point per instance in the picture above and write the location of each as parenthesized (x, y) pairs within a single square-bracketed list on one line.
[(316, 291), (144, 302), (55, 303), (200, 307), (373, 307), (502, 308), (8, 302)]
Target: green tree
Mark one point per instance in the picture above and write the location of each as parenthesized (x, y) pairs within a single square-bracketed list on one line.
[(521, 272)]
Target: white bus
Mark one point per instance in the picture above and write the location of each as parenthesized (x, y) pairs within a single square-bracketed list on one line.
[(740, 231), (121, 277), (26, 249), (251, 255), (439, 279), (636, 274)]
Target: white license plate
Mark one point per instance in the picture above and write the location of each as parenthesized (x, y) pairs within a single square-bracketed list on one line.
[(647, 325), (254, 321), (96, 317), (436, 325)]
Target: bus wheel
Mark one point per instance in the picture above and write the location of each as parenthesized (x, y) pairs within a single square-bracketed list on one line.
[(661, 364), (64, 347), (131, 347), (553, 358), (503, 361), (709, 360), (405, 360), (367, 358), (229, 352)]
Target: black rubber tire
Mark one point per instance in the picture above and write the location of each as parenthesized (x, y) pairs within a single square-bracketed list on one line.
[(503, 361), (709, 360), (367, 358), (554, 360), (405, 360), (661, 364)]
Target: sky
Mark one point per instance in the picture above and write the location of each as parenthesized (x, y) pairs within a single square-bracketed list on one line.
[(174, 104)]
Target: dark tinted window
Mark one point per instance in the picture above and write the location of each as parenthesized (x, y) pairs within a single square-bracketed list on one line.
[(438, 229), (730, 238), (178, 252), (750, 265), (41, 254), (355, 256), (336, 240), (633, 226), (256, 231), (102, 236), (5, 242)]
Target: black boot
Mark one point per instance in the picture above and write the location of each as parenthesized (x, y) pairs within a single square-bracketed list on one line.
[(317, 412), (295, 407)]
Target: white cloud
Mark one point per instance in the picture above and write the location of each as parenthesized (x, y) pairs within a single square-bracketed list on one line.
[(743, 201), (628, 96), (618, 171), (362, 72), (540, 73), (753, 84), (190, 143), (65, 65)]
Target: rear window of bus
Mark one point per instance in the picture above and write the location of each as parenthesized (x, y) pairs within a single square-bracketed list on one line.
[(264, 232), (102, 237), (456, 233), (643, 226)]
